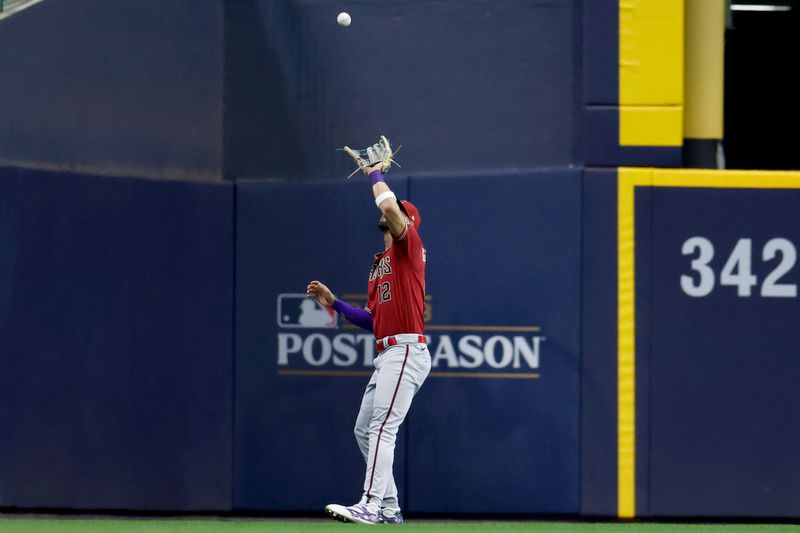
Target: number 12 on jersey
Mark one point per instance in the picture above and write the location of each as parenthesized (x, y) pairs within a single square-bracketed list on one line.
[(737, 271), (384, 292)]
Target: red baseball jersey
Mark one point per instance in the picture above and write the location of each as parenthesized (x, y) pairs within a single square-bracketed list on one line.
[(397, 287)]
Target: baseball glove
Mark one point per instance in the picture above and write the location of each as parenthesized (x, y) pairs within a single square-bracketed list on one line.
[(380, 152)]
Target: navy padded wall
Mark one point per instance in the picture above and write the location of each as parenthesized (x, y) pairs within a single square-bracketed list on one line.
[(463, 86), (115, 343), (123, 88)]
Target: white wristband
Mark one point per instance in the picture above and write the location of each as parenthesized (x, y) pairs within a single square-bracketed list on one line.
[(384, 196)]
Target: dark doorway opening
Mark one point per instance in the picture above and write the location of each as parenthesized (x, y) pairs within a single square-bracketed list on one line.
[(762, 91)]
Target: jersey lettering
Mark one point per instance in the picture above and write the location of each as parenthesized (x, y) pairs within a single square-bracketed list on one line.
[(381, 268)]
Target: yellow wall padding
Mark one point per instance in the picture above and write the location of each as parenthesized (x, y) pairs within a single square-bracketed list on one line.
[(651, 125), (650, 52), (627, 178), (725, 179), (705, 59), (651, 72)]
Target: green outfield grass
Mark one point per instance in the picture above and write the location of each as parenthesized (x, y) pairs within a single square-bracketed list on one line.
[(82, 525)]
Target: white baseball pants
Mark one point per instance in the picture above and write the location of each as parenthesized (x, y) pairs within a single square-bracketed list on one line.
[(400, 371)]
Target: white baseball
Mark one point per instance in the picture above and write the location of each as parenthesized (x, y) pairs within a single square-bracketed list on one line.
[(343, 19)]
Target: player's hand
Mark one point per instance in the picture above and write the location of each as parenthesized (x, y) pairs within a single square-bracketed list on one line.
[(317, 290), (373, 168)]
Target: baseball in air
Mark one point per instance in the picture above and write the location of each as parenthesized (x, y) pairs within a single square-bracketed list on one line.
[(343, 19)]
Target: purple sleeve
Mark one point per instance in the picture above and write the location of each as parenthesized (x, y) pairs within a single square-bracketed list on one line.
[(376, 177), (354, 315)]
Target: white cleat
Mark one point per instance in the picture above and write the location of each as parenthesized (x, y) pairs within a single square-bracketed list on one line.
[(358, 513)]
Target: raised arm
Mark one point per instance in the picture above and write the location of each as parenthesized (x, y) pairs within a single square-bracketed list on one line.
[(387, 202)]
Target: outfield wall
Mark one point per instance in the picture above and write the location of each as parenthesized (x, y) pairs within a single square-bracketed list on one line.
[(724, 410), (451, 81), (500, 409), (583, 363), (114, 88), (115, 342), (212, 89)]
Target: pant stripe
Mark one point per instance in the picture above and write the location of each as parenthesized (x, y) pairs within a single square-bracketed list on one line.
[(388, 413)]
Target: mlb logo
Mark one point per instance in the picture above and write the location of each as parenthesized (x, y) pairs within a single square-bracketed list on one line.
[(299, 311)]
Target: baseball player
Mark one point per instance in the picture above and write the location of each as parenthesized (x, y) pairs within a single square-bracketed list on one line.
[(394, 312)]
